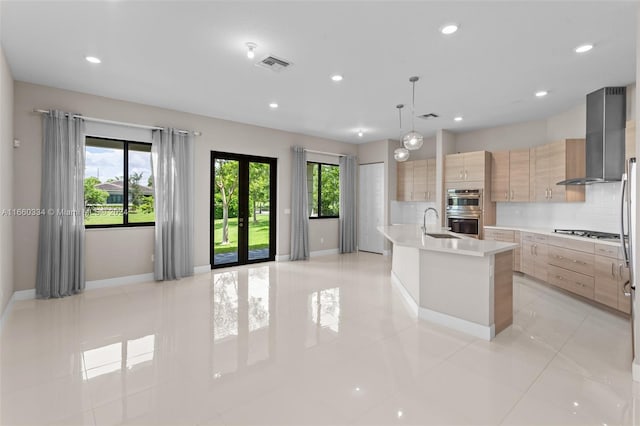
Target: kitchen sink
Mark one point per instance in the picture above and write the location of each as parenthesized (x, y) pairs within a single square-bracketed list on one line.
[(443, 236)]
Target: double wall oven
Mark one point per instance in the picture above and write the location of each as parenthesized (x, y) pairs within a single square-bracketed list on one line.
[(464, 211)]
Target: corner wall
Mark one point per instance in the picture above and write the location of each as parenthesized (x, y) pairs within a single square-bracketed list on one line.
[(116, 252), (6, 182)]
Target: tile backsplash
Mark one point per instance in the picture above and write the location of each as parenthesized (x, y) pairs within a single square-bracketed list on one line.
[(411, 212), (600, 211)]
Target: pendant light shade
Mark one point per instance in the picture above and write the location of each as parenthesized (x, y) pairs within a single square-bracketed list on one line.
[(401, 154), (413, 140)]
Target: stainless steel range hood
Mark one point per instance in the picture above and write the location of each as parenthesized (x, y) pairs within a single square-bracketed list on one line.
[(606, 120)]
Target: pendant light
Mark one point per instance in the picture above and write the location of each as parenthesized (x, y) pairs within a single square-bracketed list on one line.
[(413, 140), (400, 154)]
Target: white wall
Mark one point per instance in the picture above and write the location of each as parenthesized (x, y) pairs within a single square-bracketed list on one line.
[(6, 181), (134, 246)]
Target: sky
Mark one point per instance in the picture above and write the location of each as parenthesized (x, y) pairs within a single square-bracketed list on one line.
[(107, 163)]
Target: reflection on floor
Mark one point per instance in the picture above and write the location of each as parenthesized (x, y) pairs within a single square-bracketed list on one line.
[(232, 257), (327, 341)]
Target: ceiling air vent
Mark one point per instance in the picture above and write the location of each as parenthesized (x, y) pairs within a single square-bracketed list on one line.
[(429, 116), (274, 64)]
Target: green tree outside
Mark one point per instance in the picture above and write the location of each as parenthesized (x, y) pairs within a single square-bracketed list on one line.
[(92, 195)]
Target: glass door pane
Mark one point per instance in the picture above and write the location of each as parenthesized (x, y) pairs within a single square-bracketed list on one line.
[(225, 206), (259, 210)]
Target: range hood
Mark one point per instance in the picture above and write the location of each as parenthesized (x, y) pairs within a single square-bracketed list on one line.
[(606, 120)]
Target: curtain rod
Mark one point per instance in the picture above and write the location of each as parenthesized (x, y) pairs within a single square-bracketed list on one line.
[(120, 123), (325, 153)]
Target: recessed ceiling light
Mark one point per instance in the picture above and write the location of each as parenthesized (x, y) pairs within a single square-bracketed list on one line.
[(93, 59), (458, 118), (251, 47), (541, 93), (360, 133), (336, 77), (584, 48), (449, 29), (273, 105)]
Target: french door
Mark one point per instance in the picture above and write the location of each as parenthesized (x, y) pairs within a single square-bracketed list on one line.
[(243, 209)]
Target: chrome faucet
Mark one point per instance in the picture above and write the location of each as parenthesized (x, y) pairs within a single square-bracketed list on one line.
[(424, 218)]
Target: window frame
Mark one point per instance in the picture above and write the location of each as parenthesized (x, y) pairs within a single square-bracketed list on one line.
[(320, 216), (125, 188)]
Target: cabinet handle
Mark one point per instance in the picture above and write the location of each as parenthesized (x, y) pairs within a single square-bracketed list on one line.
[(558, 256), (620, 270), (550, 193), (579, 261), (512, 194), (460, 174), (561, 278), (546, 193), (531, 249), (465, 175), (425, 195), (506, 197), (613, 274), (580, 284), (535, 249)]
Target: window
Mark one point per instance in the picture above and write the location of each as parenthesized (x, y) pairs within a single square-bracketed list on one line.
[(107, 161), (323, 183)]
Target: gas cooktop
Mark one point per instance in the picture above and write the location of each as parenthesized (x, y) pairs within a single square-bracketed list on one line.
[(589, 234)]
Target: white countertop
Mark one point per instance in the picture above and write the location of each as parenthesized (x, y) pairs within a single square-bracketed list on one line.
[(412, 236), (554, 234)]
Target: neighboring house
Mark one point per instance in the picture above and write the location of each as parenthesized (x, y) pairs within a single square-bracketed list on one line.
[(116, 190)]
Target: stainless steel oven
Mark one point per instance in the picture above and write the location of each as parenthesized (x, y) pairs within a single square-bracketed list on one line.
[(464, 211)]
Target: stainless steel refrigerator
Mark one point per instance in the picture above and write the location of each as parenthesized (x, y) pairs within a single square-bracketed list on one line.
[(630, 251)]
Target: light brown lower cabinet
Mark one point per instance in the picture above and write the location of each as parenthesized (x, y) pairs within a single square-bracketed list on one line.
[(595, 271), (506, 236), (611, 275)]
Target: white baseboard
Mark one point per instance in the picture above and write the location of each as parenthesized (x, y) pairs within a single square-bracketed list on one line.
[(386, 252), (635, 369), (118, 281), (468, 327), (24, 294), (406, 297), (204, 269), (324, 252), (7, 310), (283, 257)]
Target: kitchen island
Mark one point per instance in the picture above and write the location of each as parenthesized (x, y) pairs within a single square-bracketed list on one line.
[(452, 280)]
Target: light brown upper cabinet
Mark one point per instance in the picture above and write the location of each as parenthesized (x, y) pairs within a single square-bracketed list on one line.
[(510, 176), (555, 162), (630, 139), (417, 180), (467, 166)]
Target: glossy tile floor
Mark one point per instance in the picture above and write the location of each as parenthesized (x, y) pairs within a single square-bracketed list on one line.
[(327, 341)]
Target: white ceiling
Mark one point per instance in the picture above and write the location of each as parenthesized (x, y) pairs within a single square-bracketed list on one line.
[(191, 56)]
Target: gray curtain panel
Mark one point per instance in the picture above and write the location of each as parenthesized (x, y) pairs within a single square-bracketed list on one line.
[(172, 157), (299, 206), (60, 269), (348, 234)]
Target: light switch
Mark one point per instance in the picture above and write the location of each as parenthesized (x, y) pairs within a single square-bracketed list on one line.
[(287, 211)]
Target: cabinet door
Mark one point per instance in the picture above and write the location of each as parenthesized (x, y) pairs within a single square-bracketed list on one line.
[(419, 180), (540, 261), (606, 281), (624, 301), (474, 166), (541, 177), (518, 175), (431, 179), (527, 257), (500, 176), (454, 168), (557, 170), (405, 181)]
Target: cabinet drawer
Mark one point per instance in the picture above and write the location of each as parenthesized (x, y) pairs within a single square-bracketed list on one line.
[(540, 238), (504, 235), (572, 260), (571, 281), (571, 244), (607, 250), (527, 236)]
